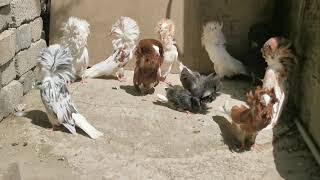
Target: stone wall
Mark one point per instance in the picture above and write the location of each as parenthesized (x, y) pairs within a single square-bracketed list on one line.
[(20, 44)]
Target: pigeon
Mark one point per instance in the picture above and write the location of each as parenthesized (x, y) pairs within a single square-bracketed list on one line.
[(56, 72), (182, 99), (258, 34), (252, 119), (214, 42), (126, 32), (75, 35), (147, 72), (281, 61), (165, 29), (203, 87)]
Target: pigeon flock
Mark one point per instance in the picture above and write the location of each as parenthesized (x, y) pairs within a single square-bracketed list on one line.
[(269, 64)]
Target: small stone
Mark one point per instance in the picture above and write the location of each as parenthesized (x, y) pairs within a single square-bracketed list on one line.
[(62, 159), (14, 144), (115, 87), (25, 144), (196, 131)]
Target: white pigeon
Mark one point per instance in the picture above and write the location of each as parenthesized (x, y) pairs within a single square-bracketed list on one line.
[(75, 36), (165, 29), (56, 72), (214, 42), (126, 33), (281, 62)]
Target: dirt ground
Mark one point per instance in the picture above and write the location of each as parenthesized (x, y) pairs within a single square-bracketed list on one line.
[(145, 139)]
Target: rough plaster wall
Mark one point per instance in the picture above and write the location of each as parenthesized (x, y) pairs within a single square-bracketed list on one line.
[(189, 16), (302, 26), (310, 42), (102, 14), (237, 17)]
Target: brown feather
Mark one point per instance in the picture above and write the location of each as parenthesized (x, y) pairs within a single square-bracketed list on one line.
[(146, 74), (257, 116)]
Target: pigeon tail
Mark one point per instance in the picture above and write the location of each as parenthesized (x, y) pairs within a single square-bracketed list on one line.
[(82, 122)]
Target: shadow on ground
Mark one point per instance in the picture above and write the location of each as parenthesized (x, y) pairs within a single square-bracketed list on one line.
[(130, 90), (293, 159), (40, 118), (226, 133)]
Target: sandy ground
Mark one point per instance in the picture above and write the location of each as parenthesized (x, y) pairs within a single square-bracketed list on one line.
[(145, 139)]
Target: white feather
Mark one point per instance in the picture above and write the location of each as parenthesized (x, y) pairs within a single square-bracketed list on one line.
[(56, 71), (214, 42), (165, 29), (82, 123), (75, 36), (162, 98), (271, 80), (126, 33)]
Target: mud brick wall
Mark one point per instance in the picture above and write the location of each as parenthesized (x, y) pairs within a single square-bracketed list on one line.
[(20, 44), (301, 24)]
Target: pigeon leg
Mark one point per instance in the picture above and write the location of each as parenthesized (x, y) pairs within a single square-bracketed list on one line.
[(189, 113), (83, 81), (54, 127), (256, 147), (121, 78)]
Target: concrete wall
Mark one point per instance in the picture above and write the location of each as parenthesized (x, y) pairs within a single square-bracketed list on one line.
[(189, 16), (302, 25), (20, 44)]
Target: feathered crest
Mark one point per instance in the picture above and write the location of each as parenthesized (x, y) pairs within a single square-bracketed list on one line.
[(166, 28), (277, 51), (126, 32), (261, 103), (212, 34), (75, 34), (56, 62)]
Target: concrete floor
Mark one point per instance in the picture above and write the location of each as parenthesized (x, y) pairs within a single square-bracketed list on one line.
[(146, 140)]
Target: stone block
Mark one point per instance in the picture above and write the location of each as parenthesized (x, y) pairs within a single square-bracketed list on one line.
[(27, 59), (27, 81), (8, 72), (23, 37), (5, 17), (36, 29), (7, 45), (10, 97), (4, 3), (24, 11)]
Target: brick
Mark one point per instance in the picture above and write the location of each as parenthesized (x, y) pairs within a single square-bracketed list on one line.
[(10, 97), (27, 59), (27, 80), (36, 29), (8, 72), (7, 45), (4, 3), (24, 11), (23, 37)]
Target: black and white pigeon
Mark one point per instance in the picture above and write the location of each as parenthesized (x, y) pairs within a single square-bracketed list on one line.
[(56, 72), (203, 87)]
